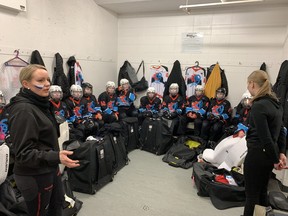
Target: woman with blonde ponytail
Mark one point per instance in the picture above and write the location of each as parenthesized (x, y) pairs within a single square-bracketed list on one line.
[(265, 140)]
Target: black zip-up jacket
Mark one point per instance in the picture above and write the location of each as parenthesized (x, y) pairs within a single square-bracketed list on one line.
[(265, 127), (34, 138)]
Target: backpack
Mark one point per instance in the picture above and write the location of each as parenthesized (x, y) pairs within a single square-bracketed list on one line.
[(128, 72)]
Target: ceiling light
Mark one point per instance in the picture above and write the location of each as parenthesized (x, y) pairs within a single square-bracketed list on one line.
[(218, 3)]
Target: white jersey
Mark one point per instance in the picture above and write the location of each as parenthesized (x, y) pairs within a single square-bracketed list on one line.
[(78, 74), (9, 81), (194, 76), (159, 76)]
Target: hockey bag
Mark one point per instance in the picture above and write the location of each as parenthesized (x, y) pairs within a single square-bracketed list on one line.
[(130, 133), (214, 183), (155, 136), (71, 205), (184, 152), (11, 198)]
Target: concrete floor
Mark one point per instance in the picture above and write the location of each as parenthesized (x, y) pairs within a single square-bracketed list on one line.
[(150, 187)]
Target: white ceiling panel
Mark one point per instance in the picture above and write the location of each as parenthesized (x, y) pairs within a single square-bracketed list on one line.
[(133, 7)]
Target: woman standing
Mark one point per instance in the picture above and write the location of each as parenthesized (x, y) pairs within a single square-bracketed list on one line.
[(265, 141), (34, 134)]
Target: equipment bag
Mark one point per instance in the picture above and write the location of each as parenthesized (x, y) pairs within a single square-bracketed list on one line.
[(142, 84), (184, 152), (128, 72), (96, 161), (209, 182), (120, 153), (11, 198), (71, 205), (130, 133), (155, 136), (278, 200)]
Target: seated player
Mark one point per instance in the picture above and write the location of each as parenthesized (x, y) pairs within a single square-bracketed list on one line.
[(107, 101), (125, 100), (196, 109), (172, 107), (218, 117), (3, 118), (149, 105), (58, 106)]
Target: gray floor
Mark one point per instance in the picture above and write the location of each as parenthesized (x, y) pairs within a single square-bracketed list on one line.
[(150, 187)]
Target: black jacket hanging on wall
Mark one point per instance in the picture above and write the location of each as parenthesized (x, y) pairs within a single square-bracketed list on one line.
[(71, 73), (36, 58), (176, 77), (281, 87), (59, 77)]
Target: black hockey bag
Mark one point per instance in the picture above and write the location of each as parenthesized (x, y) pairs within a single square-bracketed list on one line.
[(71, 205), (130, 133), (155, 136), (213, 182), (95, 170), (11, 199), (184, 152), (120, 153)]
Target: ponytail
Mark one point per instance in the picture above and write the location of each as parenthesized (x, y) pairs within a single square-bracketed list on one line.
[(261, 78)]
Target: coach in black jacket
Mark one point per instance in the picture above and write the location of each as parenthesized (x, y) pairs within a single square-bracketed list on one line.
[(265, 141), (34, 137)]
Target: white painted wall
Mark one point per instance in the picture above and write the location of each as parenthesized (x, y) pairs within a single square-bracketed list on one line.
[(239, 41), (285, 49), (69, 27)]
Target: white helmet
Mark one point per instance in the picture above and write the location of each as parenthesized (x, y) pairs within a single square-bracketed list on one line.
[(124, 81), (2, 99), (174, 89), (174, 86), (199, 88), (151, 90), (76, 91), (110, 84), (54, 88), (246, 99), (55, 92), (247, 95)]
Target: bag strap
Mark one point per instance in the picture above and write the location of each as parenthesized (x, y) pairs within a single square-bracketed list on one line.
[(141, 64)]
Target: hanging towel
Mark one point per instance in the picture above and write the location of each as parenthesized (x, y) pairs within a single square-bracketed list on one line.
[(213, 82)]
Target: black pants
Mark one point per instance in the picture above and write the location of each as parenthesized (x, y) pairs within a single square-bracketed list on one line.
[(43, 194), (257, 171), (212, 130)]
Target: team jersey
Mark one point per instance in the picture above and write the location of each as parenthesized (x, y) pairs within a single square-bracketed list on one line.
[(159, 76), (147, 104), (9, 81), (76, 109), (173, 104), (197, 104), (194, 76), (91, 104), (60, 109), (220, 108), (125, 98), (3, 123), (108, 102)]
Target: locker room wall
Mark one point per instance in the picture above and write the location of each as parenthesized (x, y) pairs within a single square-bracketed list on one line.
[(239, 40), (69, 27), (285, 50)]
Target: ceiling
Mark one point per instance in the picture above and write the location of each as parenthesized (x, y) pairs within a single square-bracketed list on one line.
[(133, 7)]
